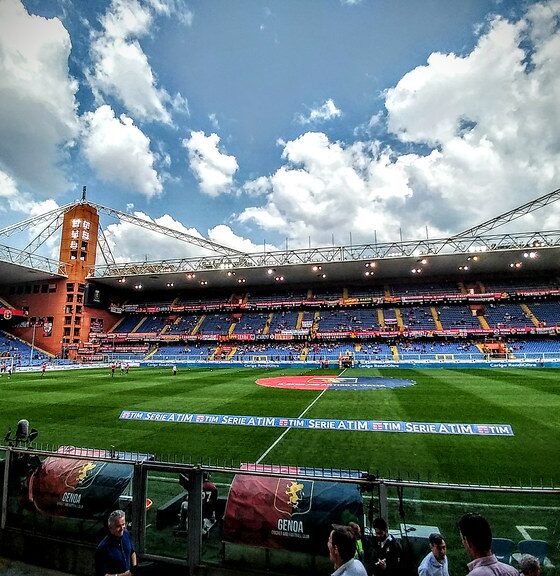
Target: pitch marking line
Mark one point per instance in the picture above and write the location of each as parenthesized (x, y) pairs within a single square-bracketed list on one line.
[(524, 530), (288, 429)]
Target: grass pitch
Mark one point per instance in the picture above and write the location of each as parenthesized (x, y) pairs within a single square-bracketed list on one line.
[(82, 408)]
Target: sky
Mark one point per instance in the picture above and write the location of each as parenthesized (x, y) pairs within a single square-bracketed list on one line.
[(279, 124)]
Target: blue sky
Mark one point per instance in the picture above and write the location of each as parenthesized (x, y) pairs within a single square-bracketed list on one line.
[(291, 122)]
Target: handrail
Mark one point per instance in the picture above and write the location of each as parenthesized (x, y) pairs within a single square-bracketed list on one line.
[(361, 478)]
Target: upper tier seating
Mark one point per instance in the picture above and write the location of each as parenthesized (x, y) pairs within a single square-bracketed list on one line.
[(152, 324), (285, 320), (215, 324), (506, 315), (348, 320), (259, 297), (548, 313), (251, 323), (366, 291), (418, 318), (458, 317), (409, 289), (128, 323), (182, 324), (511, 286)]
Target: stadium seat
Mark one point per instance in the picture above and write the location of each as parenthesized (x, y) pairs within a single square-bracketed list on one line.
[(503, 549), (537, 548)]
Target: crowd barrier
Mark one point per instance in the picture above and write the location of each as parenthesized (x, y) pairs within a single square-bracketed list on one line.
[(269, 519)]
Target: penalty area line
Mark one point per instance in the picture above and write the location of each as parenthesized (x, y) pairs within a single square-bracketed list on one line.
[(275, 443)]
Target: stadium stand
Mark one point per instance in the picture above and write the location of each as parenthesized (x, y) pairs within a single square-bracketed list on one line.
[(393, 321), (250, 323), (128, 323), (506, 315), (457, 317), (182, 324), (546, 313), (285, 320), (418, 318), (152, 324), (419, 288), (21, 352)]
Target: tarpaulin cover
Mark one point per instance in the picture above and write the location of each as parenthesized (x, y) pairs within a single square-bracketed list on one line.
[(78, 488), (288, 513)]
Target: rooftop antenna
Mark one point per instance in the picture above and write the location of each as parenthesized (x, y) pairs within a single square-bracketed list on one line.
[(84, 188)]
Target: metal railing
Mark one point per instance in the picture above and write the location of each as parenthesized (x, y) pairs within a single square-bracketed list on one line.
[(157, 488)]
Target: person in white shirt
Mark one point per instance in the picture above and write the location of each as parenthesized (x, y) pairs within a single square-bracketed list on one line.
[(342, 547), (476, 535), (435, 563)]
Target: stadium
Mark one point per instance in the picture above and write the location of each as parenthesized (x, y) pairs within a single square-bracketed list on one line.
[(414, 380)]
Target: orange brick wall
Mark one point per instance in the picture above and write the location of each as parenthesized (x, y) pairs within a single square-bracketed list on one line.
[(77, 249)]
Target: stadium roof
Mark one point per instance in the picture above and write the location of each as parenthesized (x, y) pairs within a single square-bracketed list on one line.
[(346, 264), (510, 255), (17, 266), (471, 253)]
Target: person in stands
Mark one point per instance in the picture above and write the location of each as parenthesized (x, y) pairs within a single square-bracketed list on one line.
[(435, 563), (115, 554), (529, 565), (359, 544), (476, 535), (342, 548), (385, 551)]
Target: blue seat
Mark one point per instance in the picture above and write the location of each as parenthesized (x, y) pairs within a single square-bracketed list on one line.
[(503, 549), (537, 548)]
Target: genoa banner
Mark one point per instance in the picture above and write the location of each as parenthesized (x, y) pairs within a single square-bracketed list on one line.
[(288, 513), (78, 488)]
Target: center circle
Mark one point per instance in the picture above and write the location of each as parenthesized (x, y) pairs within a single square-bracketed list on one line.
[(334, 382)]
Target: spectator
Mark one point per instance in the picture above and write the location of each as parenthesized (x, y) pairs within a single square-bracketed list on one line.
[(342, 547), (359, 544), (115, 554), (385, 551), (529, 565), (476, 535), (435, 563)]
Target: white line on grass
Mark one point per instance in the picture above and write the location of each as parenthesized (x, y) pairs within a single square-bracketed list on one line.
[(300, 416)]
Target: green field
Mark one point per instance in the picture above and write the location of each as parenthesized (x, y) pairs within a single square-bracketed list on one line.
[(82, 408)]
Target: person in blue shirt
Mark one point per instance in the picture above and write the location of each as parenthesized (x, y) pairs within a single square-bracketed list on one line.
[(115, 554), (435, 563)]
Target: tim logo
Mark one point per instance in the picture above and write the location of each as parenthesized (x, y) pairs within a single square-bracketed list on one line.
[(293, 497)]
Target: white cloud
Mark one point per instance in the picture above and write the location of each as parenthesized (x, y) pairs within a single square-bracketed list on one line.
[(493, 115), (490, 121), (214, 121), (213, 168), (225, 236), (120, 66), (120, 152), (327, 111), (37, 105), (14, 199), (11, 197), (257, 187), (132, 243), (176, 8)]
